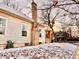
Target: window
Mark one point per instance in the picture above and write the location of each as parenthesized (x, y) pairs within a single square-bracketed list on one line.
[(40, 35), (47, 34), (2, 26), (24, 30)]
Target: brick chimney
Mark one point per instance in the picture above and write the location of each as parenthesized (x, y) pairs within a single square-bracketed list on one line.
[(34, 11), (34, 35)]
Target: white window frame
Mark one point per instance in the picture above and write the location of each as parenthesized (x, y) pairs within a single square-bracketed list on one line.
[(25, 30), (5, 24), (40, 33)]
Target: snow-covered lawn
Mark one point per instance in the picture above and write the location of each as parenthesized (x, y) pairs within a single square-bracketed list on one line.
[(45, 51)]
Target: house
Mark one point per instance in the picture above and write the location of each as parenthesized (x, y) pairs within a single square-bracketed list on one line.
[(74, 31), (21, 29)]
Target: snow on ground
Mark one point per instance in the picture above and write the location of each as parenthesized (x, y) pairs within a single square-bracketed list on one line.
[(43, 51), (76, 54)]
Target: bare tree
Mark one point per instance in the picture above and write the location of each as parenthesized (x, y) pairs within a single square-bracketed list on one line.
[(46, 16), (66, 7)]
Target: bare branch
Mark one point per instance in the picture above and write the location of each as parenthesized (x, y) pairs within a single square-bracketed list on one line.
[(68, 11), (76, 1)]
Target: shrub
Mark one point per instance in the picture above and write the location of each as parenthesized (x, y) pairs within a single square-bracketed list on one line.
[(9, 44), (40, 42)]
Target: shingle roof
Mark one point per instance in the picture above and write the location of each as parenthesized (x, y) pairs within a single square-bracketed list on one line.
[(4, 7)]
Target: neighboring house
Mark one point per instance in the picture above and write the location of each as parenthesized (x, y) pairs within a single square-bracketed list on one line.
[(21, 29), (74, 31)]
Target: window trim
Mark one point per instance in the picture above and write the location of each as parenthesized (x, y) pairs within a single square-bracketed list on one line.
[(6, 21), (25, 30)]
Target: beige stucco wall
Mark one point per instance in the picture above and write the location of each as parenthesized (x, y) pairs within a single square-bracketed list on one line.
[(13, 30)]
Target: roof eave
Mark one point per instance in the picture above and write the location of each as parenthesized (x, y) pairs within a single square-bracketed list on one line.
[(15, 15)]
